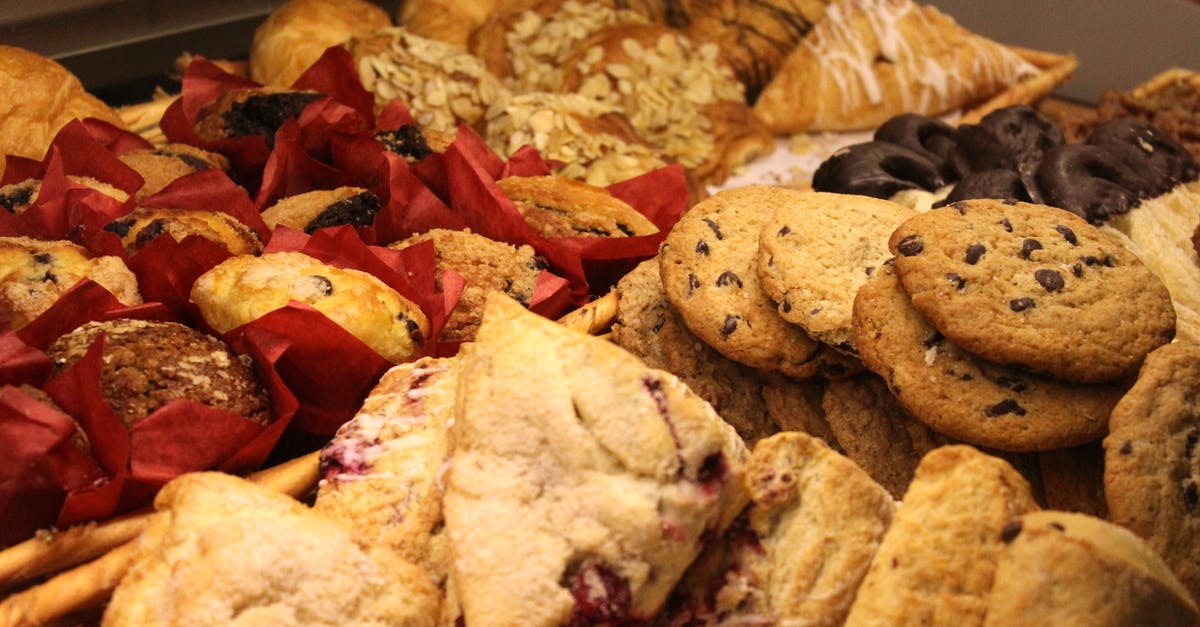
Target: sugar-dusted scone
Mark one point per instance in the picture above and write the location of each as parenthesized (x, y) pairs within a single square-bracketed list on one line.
[(486, 265), (227, 552), (245, 287), (441, 85), (144, 225), (867, 60), (677, 93), (647, 326), (582, 483), (1019, 283), (965, 397), (559, 207), (818, 519), (383, 473), (309, 211), (817, 250), (1151, 462), (875, 432), (709, 265), (35, 273), (937, 561), (1071, 569)]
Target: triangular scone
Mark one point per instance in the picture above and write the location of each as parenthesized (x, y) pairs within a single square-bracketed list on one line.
[(583, 483), (224, 551), (869, 60)]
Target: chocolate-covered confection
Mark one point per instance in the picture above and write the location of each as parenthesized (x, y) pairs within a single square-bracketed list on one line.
[(247, 112), (1163, 162), (406, 141), (933, 138), (878, 169), (1013, 138), (358, 210), (996, 183), (1088, 181)]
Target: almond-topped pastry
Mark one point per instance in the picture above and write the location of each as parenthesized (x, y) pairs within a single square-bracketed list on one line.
[(583, 483), (677, 93), (244, 288), (35, 273), (557, 207)]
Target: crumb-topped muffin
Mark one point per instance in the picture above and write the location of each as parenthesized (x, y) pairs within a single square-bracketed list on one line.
[(35, 273), (242, 289), (143, 226), (19, 196), (162, 165), (148, 364), (321, 208)]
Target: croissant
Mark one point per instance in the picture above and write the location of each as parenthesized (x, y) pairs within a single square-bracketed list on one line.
[(869, 60)]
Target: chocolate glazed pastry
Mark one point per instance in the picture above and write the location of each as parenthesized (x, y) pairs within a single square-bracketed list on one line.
[(1146, 148), (878, 169), (1089, 182), (1013, 138), (931, 137), (999, 183)]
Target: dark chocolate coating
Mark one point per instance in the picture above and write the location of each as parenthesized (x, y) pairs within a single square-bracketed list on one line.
[(878, 169), (1162, 161), (1013, 138), (406, 141), (263, 114), (1088, 181), (998, 183), (931, 137)]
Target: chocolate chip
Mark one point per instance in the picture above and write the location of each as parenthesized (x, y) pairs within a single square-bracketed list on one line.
[(728, 278), (1006, 406), (1057, 526), (814, 311), (1126, 448), (1049, 279), (1090, 260), (731, 323), (1191, 495), (1011, 530), (626, 229), (784, 230), (702, 248), (974, 252), (870, 270), (42, 258), (1189, 446), (911, 245), (1021, 304), (1077, 270), (716, 229), (1028, 246), (323, 285), (1109, 262), (1006, 224), (120, 226), (959, 283), (786, 305), (693, 283), (1011, 383), (960, 207), (932, 340), (1067, 234)]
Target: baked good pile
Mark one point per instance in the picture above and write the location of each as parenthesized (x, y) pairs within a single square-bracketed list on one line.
[(459, 283)]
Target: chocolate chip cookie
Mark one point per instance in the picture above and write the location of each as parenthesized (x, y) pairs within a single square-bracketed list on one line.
[(709, 267), (1152, 463), (648, 327), (817, 250), (1018, 283), (966, 397)]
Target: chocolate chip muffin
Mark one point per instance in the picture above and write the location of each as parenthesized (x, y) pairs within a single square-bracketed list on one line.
[(17, 197), (35, 273), (251, 111), (149, 364), (324, 207), (160, 166), (144, 225)]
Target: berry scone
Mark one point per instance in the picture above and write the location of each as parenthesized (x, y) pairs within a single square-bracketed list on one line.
[(582, 482)]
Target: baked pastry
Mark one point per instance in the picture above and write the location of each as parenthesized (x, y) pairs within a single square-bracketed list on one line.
[(795, 405), (17, 197), (149, 364), (322, 208), (383, 473), (241, 289), (441, 85), (677, 94), (250, 111), (144, 225), (868, 60), (583, 483), (225, 551), (162, 165), (1151, 476), (35, 273), (559, 207), (594, 141), (1054, 562), (297, 33), (450, 21), (487, 266), (414, 143), (40, 97), (937, 561)]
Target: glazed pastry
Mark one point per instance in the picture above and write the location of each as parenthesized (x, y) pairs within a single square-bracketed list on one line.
[(35, 273), (867, 60), (297, 33), (323, 208), (144, 225)]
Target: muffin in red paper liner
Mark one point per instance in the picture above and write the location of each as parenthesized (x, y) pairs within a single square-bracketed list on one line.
[(69, 203)]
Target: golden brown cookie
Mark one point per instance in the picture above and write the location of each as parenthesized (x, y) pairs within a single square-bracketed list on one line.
[(487, 266), (243, 288), (1073, 479), (322, 208), (1018, 283), (937, 561), (1151, 461), (142, 226), (35, 273), (795, 405), (559, 207)]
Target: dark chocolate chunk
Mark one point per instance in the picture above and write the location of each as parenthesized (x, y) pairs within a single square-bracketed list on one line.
[(263, 114), (43, 258), (702, 248), (17, 195), (959, 283), (731, 323), (406, 141), (716, 228), (910, 246), (1051, 280), (1010, 531), (693, 283), (1006, 224), (322, 284), (1011, 383), (1028, 246), (728, 277), (1006, 406), (192, 161), (974, 252), (149, 233), (784, 230), (120, 226), (1191, 495), (1021, 304), (1067, 234), (786, 305), (357, 210)]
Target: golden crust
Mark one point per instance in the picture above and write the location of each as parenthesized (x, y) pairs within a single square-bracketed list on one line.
[(449, 21), (559, 207), (296, 34)]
